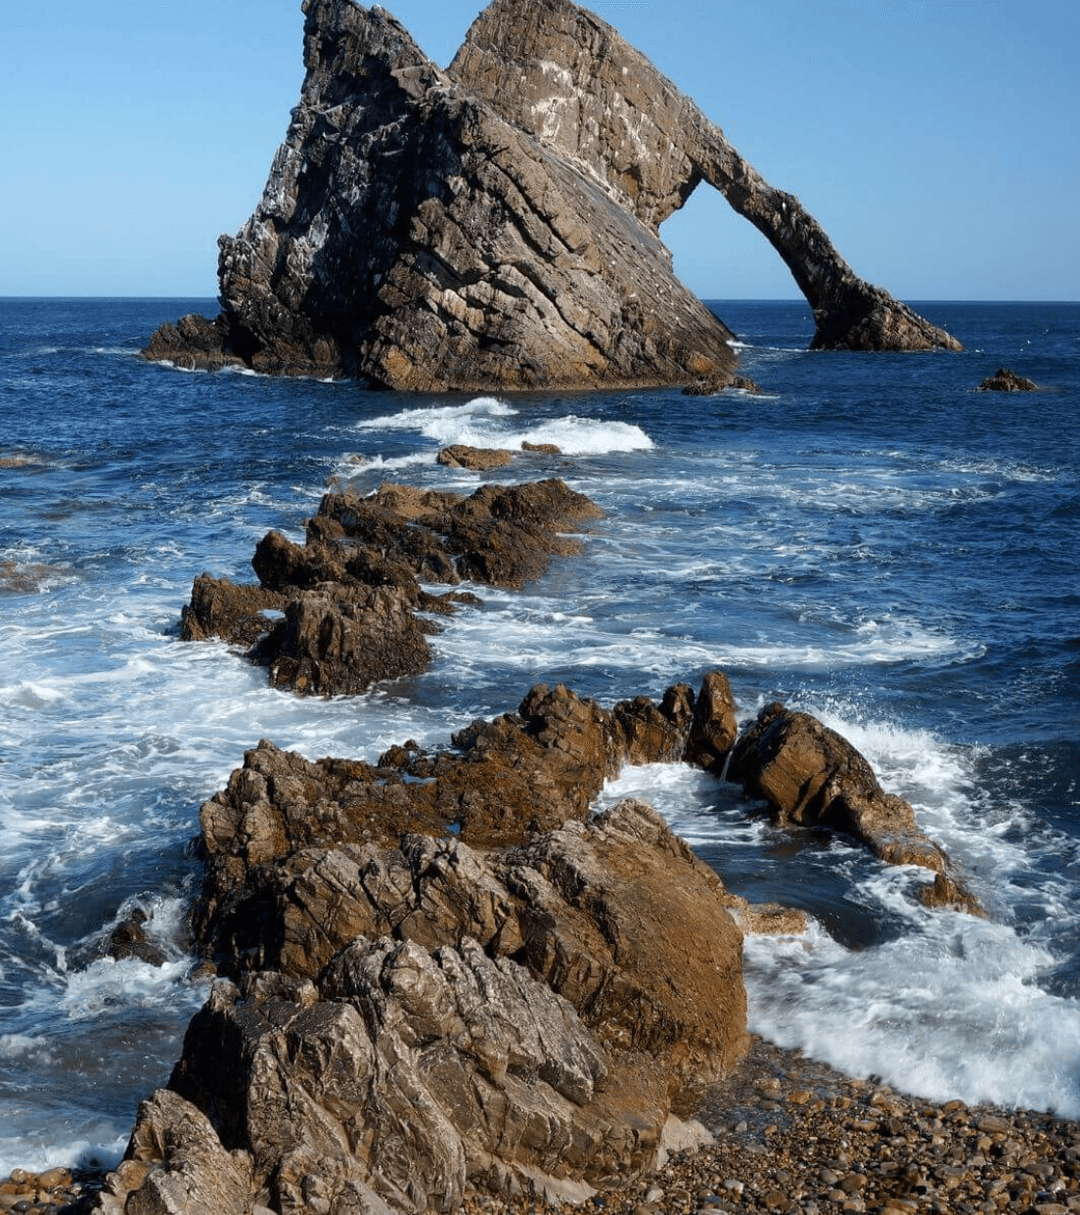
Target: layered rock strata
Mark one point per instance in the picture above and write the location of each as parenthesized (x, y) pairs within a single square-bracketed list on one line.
[(443, 972), (346, 609), (496, 225), (561, 72)]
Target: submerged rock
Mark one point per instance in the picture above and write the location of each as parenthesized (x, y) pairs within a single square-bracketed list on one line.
[(496, 225), (460, 455), (130, 939)]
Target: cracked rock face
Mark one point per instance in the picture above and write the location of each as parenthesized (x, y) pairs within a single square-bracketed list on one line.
[(445, 972), (529, 1021), (496, 225)]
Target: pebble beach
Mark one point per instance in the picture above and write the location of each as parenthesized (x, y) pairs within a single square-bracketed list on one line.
[(791, 1135)]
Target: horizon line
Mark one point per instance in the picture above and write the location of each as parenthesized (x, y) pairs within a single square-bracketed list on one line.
[(721, 299)]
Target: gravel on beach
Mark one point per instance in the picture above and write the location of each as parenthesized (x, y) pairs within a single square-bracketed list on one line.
[(791, 1135)]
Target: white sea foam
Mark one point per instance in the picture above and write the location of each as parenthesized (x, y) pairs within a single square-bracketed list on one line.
[(438, 416), (949, 1011), (15, 1045), (695, 804), (489, 422), (108, 984), (39, 1151), (951, 1004)]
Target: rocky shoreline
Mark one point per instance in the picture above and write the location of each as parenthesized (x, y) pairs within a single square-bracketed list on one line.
[(794, 1135), (445, 983), (790, 1135)]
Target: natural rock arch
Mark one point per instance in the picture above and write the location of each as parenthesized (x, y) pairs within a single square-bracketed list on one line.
[(585, 91), (496, 225)]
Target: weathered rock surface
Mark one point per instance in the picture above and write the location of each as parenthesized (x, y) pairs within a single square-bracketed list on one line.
[(812, 777), (496, 225), (531, 1019), (460, 455), (176, 1165), (444, 972), (303, 855), (339, 613), (794, 1135), (402, 1075), (1006, 380), (560, 71)]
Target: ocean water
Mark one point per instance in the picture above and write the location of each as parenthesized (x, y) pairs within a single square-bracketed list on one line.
[(869, 540)]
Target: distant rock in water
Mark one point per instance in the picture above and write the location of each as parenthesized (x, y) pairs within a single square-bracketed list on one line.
[(1005, 380), (480, 459), (496, 225)]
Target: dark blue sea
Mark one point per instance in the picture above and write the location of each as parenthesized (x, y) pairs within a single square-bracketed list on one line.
[(869, 539)]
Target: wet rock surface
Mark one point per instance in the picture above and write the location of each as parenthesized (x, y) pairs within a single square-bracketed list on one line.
[(343, 610), (496, 225), (809, 776), (1006, 380)]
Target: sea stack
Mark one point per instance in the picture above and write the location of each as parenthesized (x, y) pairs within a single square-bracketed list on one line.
[(495, 226)]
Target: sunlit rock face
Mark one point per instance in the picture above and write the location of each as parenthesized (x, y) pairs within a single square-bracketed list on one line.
[(496, 225)]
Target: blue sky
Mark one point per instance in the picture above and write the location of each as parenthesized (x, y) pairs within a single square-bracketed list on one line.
[(938, 143)]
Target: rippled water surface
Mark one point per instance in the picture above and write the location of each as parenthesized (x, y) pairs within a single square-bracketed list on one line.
[(868, 539)]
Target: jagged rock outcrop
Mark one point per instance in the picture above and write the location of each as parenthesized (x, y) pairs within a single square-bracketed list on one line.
[(176, 1165), (444, 972), (531, 1019), (496, 225), (1007, 380), (339, 613), (296, 848), (401, 1076), (812, 777)]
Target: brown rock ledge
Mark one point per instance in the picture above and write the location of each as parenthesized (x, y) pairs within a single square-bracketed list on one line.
[(342, 611), (809, 776)]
